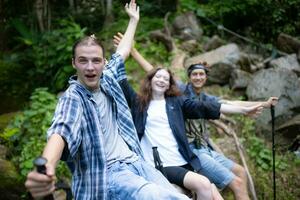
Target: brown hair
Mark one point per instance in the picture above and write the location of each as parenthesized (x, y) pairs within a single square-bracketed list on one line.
[(145, 93), (89, 41)]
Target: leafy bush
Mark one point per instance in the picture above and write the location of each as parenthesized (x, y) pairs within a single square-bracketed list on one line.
[(261, 164), (25, 135), (13, 86), (257, 150), (249, 17), (263, 156), (52, 55), (48, 58)]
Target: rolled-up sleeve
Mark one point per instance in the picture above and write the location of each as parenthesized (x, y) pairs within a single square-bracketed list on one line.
[(116, 68)]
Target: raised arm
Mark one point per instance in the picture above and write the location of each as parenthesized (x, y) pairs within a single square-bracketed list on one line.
[(125, 44), (141, 60), (135, 54)]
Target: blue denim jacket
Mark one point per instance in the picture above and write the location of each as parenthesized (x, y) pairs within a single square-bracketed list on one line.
[(178, 109)]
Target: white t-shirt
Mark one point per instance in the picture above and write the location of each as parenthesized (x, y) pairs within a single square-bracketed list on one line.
[(158, 133)]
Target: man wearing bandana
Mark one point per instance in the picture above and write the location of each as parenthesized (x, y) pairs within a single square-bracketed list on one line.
[(215, 166)]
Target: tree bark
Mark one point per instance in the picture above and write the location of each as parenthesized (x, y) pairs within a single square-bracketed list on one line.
[(72, 6), (39, 14), (47, 15), (109, 17), (43, 12), (2, 25)]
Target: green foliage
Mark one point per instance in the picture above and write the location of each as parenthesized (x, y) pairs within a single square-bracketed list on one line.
[(50, 54), (25, 135), (287, 181), (13, 85), (248, 126), (260, 164), (146, 25), (248, 17), (263, 156), (26, 36), (156, 53), (256, 147), (188, 5), (156, 8)]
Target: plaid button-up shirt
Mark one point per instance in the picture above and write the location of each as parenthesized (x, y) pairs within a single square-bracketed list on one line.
[(76, 120)]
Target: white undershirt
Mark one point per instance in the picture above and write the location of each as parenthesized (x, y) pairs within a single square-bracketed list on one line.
[(158, 133)]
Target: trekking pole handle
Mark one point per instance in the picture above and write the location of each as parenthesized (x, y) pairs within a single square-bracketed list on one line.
[(40, 164)]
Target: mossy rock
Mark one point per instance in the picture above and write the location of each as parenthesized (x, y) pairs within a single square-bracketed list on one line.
[(11, 186), (5, 119)]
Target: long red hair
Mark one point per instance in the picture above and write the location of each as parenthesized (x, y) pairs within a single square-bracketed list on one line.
[(145, 94)]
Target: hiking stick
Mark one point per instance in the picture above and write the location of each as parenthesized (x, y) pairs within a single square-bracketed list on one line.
[(273, 150), (40, 163)]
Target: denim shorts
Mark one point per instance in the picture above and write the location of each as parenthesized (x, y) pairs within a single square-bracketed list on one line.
[(215, 166), (139, 181)]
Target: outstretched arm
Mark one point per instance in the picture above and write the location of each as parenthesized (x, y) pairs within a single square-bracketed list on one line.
[(251, 111), (134, 53), (41, 185), (266, 104), (125, 44)]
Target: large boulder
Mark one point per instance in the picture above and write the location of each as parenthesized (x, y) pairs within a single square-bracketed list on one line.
[(213, 43), (239, 79), (288, 43), (221, 60), (186, 27), (276, 82), (291, 128), (288, 62), (10, 187)]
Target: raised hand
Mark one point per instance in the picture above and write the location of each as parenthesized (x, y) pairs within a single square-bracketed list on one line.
[(117, 39), (133, 10)]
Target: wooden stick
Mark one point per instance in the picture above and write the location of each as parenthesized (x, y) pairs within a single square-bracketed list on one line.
[(229, 131)]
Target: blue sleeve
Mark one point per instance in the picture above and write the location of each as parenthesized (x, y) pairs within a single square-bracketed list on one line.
[(194, 109), (66, 123), (211, 98), (181, 85), (129, 93), (115, 67)]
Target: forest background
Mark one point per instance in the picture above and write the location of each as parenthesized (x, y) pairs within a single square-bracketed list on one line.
[(36, 38)]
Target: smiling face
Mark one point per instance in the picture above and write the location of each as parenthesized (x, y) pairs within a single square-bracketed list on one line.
[(198, 78), (160, 82), (89, 64)]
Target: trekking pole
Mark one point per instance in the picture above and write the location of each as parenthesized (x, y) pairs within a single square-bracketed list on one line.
[(273, 150), (40, 164), (157, 161)]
